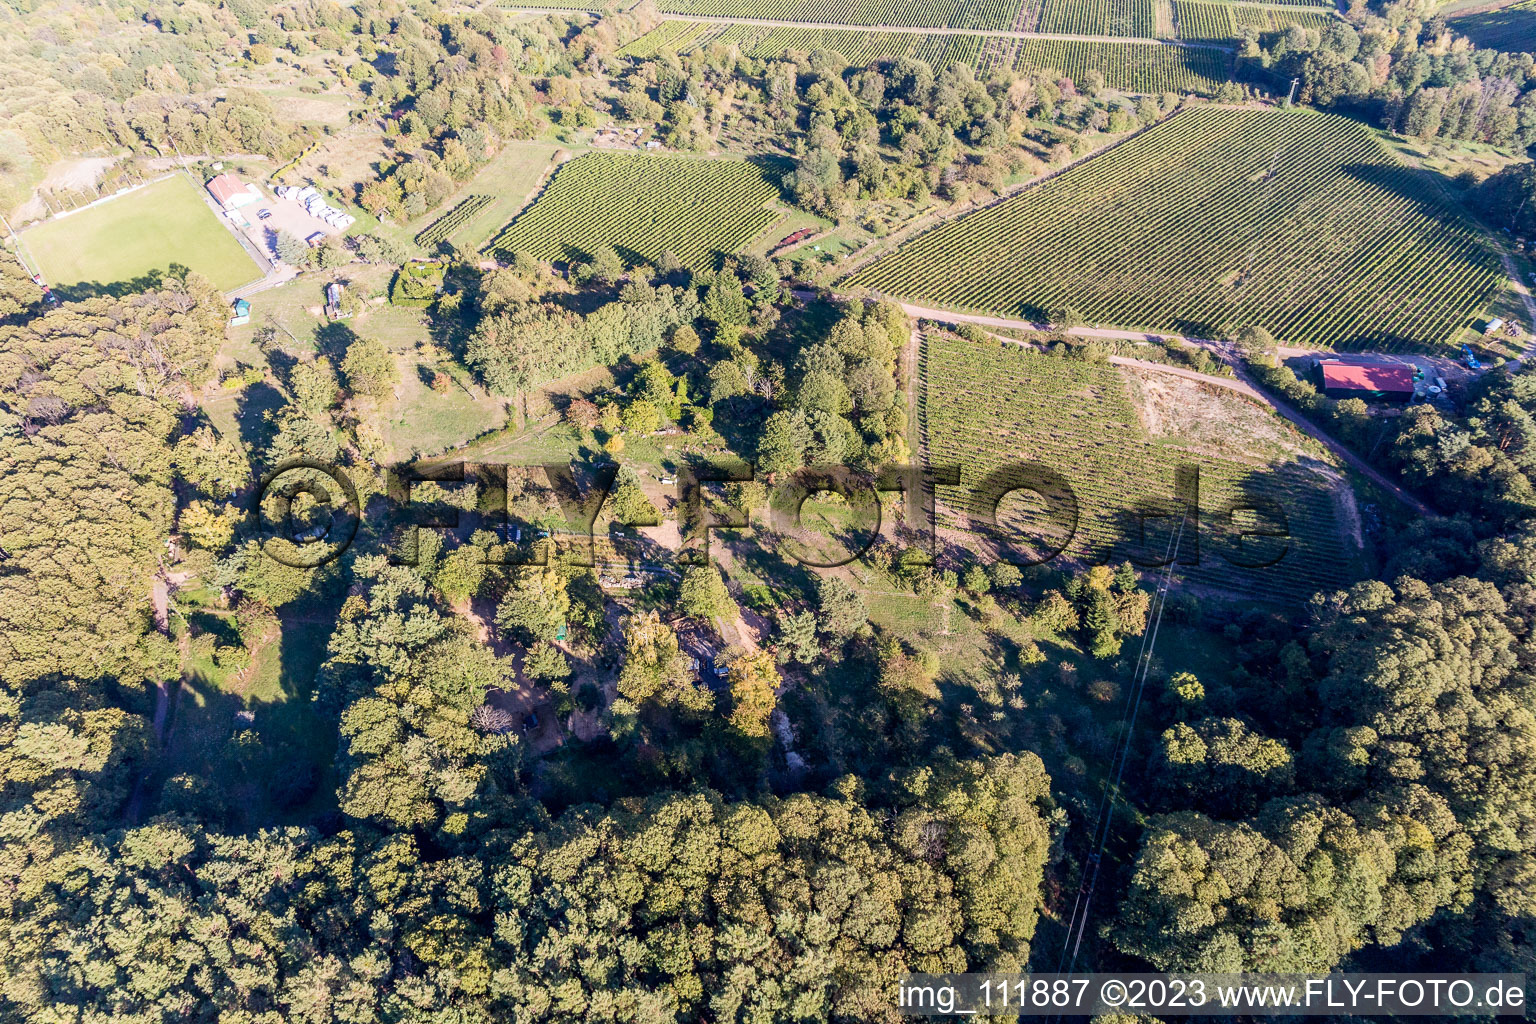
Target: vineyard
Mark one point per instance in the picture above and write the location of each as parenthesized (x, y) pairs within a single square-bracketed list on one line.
[(983, 407), (1511, 29), (1128, 66), (974, 14), (1099, 18), (676, 36), (440, 229), (1214, 219), (1211, 21), (562, 5), (859, 49), (644, 206)]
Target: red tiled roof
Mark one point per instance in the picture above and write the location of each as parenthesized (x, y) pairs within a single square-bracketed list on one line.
[(1362, 377), (224, 186)]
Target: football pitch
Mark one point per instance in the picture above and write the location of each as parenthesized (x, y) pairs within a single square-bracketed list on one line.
[(149, 229)]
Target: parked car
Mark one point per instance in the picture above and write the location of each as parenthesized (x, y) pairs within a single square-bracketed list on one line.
[(264, 214)]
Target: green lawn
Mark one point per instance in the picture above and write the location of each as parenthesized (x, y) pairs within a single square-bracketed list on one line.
[(510, 177), (424, 421), (149, 229)]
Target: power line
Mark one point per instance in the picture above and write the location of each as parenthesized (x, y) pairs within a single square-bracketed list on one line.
[(1079, 922)]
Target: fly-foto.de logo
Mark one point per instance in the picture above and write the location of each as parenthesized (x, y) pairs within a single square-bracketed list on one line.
[(306, 513)]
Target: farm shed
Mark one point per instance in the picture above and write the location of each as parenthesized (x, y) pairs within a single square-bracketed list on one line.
[(333, 302), (231, 193), (1340, 378)]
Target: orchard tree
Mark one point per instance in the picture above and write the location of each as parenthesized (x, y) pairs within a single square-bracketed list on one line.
[(754, 680), (370, 368), (704, 595)]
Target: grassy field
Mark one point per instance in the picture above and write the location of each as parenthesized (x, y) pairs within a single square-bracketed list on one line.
[(149, 229), (1217, 218), (508, 179), (422, 421), (1119, 438), (644, 206), (416, 420), (1511, 29)]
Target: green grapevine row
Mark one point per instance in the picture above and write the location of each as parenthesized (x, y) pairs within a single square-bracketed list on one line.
[(984, 407), (676, 36), (1317, 6), (1218, 218), (451, 221), (562, 5), (983, 14), (1099, 18), (644, 206), (858, 48), (1205, 22), (1268, 19), (1128, 67)]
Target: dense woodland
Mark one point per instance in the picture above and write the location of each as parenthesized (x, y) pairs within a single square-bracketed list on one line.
[(1355, 788)]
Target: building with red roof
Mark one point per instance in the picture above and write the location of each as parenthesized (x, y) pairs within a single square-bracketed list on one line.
[(230, 192), (1345, 378)]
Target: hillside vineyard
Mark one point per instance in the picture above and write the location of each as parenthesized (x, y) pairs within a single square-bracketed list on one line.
[(644, 206), (1294, 221)]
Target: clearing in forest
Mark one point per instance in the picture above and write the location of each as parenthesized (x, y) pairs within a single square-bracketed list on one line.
[(1118, 438), (644, 206), (1215, 219)]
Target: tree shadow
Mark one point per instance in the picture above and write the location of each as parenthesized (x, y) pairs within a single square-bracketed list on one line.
[(81, 290), (251, 409), (774, 168), (333, 339), (739, 421)]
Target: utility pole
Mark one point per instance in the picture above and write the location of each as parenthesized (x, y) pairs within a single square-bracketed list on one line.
[(177, 148), (16, 245), (1292, 94)]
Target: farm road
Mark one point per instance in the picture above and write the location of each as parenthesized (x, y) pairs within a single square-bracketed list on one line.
[(996, 33), (1525, 300), (1243, 385)]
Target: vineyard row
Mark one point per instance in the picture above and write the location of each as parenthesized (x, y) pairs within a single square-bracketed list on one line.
[(1216, 219), (1128, 67), (644, 206), (440, 229)]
